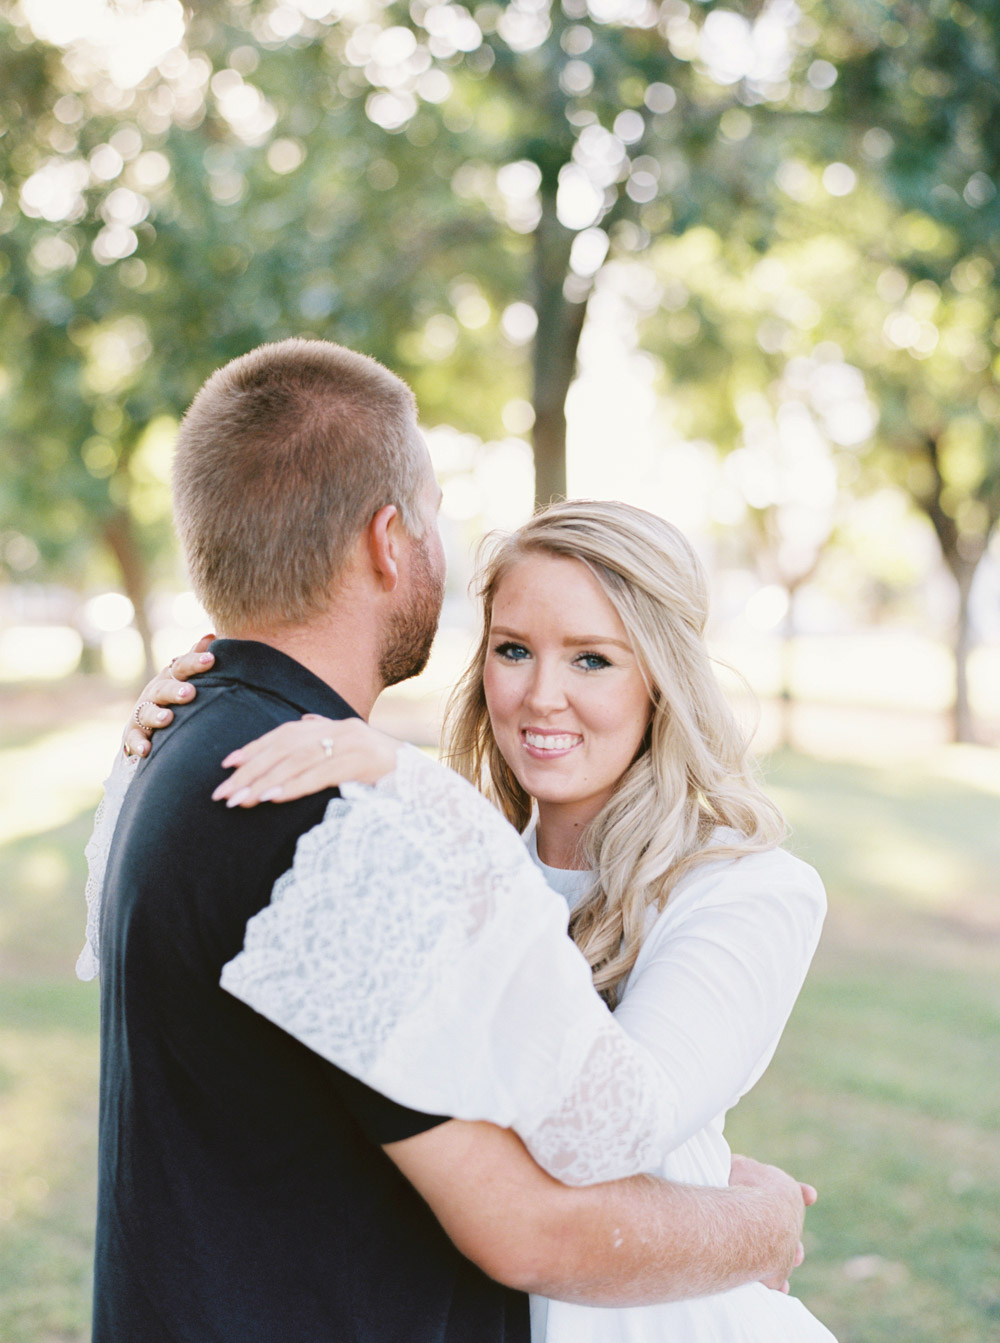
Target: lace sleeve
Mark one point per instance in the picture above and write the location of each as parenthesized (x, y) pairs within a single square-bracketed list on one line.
[(414, 944), (88, 965)]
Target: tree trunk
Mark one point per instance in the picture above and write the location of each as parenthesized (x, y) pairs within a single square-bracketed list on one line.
[(119, 533), (963, 723), (557, 339), (962, 553)]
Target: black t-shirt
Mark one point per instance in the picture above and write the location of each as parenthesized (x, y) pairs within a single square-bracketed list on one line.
[(243, 1196)]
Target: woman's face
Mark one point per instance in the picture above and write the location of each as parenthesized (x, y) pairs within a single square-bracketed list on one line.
[(566, 698)]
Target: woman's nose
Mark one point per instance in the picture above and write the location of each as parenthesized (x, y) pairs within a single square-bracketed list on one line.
[(546, 691)]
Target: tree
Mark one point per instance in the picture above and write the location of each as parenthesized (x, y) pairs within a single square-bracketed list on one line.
[(880, 249), (919, 95), (250, 177)]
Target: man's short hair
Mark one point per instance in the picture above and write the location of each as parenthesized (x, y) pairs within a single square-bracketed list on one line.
[(283, 457)]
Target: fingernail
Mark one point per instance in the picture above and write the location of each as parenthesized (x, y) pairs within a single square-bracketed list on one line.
[(185, 691), (238, 797), (219, 793), (205, 659), (271, 794), (233, 758), (161, 717)]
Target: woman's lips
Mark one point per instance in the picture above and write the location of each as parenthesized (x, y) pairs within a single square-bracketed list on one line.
[(549, 745)]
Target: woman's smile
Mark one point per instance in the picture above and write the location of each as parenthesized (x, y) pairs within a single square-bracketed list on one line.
[(566, 696), (543, 744)]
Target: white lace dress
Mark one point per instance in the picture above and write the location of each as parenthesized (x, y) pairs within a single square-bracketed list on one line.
[(415, 944)]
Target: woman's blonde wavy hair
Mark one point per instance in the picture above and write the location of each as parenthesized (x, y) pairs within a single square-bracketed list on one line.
[(693, 772)]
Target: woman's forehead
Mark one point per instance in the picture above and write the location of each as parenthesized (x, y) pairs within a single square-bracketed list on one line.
[(557, 589)]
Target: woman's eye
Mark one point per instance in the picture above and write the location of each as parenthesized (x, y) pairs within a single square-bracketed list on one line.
[(511, 652), (592, 661)]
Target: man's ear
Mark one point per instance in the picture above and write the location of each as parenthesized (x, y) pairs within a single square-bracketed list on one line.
[(383, 536)]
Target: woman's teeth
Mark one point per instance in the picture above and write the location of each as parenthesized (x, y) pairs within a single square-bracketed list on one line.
[(548, 742)]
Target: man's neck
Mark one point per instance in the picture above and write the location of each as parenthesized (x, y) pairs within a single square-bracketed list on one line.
[(339, 650)]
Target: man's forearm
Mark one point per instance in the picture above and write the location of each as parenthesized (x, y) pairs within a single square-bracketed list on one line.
[(645, 1240), (630, 1242)]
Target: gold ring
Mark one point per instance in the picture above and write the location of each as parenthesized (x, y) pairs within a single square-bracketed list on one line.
[(143, 704), (327, 745)]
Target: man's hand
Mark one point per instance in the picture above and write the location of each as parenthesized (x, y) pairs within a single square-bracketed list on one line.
[(752, 1174)]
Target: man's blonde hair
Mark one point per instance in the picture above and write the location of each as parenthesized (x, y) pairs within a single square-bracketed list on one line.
[(693, 774), (283, 457)]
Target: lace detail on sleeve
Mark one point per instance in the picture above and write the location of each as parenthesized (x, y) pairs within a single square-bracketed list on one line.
[(414, 944), (88, 965)]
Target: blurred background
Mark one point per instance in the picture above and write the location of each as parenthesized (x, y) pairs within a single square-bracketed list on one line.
[(736, 263)]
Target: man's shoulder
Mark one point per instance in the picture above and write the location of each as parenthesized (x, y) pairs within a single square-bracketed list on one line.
[(234, 705), (171, 795)]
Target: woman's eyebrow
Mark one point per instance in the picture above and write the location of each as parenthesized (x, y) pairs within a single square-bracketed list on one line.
[(575, 639), (571, 641)]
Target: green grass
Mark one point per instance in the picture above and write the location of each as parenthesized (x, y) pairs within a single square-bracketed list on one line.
[(885, 1092)]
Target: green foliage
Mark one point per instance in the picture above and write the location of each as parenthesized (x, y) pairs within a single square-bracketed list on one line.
[(336, 177), (799, 181)]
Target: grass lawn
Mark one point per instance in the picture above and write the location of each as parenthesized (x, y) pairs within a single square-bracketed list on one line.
[(885, 1091)]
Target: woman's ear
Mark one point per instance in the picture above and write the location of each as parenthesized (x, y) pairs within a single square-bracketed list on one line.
[(383, 545)]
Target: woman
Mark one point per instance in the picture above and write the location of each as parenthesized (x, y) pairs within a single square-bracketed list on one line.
[(590, 716)]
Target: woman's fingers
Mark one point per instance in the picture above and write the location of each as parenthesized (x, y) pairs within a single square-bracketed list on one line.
[(194, 661), (149, 713), (139, 732), (294, 763), (299, 758), (284, 782), (167, 687), (272, 765), (274, 774), (277, 756)]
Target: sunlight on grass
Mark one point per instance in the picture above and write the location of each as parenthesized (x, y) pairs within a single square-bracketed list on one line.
[(920, 834), (42, 909), (48, 782), (971, 765)]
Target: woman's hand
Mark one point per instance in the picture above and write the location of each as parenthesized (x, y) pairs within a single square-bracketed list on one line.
[(305, 757), (169, 686)]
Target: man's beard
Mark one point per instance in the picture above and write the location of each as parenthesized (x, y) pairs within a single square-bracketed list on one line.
[(411, 632)]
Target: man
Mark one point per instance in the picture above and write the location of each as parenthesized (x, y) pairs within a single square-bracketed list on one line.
[(248, 1189)]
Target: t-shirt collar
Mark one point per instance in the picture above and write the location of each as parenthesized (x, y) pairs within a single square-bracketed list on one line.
[(267, 668)]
